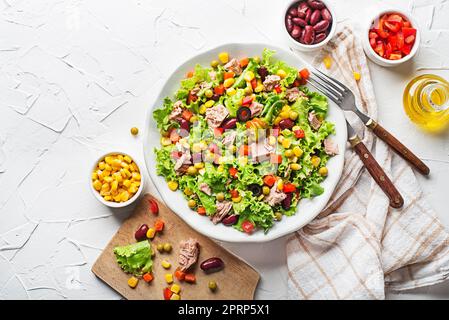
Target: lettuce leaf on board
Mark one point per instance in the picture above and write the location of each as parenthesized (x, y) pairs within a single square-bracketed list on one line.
[(135, 258)]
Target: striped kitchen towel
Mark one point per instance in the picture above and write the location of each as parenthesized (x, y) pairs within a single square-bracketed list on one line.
[(359, 247)]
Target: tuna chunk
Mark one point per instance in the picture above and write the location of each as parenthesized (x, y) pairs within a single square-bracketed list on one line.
[(256, 108), (184, 159), (213, 75), (330, 147), (176, 112), (229, 138), (205, 188), (223, 209), (261, 151), (188, 254), (292, 94), (275, 196), (216, 115), (271, 81), (233, 66), (313, 120)]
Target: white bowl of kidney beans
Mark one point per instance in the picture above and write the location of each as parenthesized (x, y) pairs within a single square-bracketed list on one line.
[(309, 24)]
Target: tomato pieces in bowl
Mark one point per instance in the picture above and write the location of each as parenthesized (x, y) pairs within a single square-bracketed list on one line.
[(392, 36)]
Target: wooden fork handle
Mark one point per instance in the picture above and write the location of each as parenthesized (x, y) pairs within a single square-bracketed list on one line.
[(378, 174), (402, 150)]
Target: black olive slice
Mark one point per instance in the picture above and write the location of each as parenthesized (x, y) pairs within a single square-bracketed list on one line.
[(243, 114)]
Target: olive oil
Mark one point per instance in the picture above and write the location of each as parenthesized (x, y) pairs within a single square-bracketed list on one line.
[(426, 102)]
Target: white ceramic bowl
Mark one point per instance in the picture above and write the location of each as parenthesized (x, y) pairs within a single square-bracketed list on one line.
[(111, 203), (372, 55), (311, 47), (307, 209)]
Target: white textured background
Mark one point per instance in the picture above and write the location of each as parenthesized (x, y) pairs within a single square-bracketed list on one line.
[(75, 76)]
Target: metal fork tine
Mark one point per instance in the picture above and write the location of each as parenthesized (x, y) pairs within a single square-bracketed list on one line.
[(329, 82), (324, 90), (329, 88), (334, 80)]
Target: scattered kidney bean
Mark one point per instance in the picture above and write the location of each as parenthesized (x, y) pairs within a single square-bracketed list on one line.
[(263, 72), (287, 202), (315, 17), (308, 22), (230, 220), (229, 124), (141, 233), (212, 265), (286, 124)]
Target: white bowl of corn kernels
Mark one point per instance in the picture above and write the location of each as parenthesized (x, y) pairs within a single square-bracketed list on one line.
[(116, 180)]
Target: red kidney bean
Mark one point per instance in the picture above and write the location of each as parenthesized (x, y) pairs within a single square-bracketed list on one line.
[(263, 72), (212, 265), (299, 22), (296, 32), (326, 14), (215, 97), (287, 202), (293, 11), (309, 35), (301, 37), (286, 124), (321, 26), (230, 220), (320, 37), (184, 124), (229, 124), (308, 15), (315, 4), (289, 24), (315, 17), (141, 233)]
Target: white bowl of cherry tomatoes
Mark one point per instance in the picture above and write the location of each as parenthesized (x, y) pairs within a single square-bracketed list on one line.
[(392, 38)]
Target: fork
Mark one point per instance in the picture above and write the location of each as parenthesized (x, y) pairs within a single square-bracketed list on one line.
[(345, 99)]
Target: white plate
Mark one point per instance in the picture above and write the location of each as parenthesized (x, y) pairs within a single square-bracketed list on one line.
[(307, 208)]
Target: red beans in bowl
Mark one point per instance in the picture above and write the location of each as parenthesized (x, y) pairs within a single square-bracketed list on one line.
[(308, 21)]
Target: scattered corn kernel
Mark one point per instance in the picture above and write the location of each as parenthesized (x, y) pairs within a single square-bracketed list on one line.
[(281, 73), (169, 278), (223, 57), (286, 143), (228, 82), (150, 233), (209, 103), (237, 199), (132, 282), (315, 161), (323, 171), (214, 63), (327, 61), (357, 76), (175, 296), (172, 185), (295, 166), (134, 131), (175, 288), (249, 75), (231, 92), (165, 264), (297, 151), (280, 184)]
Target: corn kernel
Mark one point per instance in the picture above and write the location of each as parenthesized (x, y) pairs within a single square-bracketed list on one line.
[(281, 139), (199, 165), (297, 151), (259, 88), (188, 192), (108, 179), (97, 185), (132, 282), (126, 171), (169, 278), (214, 63), (357, 76), (228, 82), (220, 168), (231, 92), (327, 61), (295, 166), (209, 103), (165, 264), (237, 199), (102, 165), (94, 176), (175, 296), (202, 109), (315, 161), (105, 187), (286, 143), (120, 157), (249, 75), (323, 171), (107, 198), (124, 196), (272, 140), (109, 159), (136, 176), (243, 161), (172, 185), (114, 185), (280, 184), (286, 108), (284, 115), (281, 73), (124, 165), (277, 120), (165, 141), (133, 189), (175, 288), (223, 57), (127, 159), (127, 183)]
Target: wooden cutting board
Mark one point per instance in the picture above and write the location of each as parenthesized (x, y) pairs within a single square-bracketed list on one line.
[(236, 281)]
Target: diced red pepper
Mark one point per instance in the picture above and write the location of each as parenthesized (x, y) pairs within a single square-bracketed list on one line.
[(289, 187), (167, 293), (244, 62), (159, 225), (304, 74), (247, 226), (228, 75), (407, 24), (189, 74), (380, 48), (299, 134), (246, 101), (234, 193), (219, 90), (277, 88), (152, 205), (254, 83), (244, 150), (191, 98), (233, 172), (275, 158), (218, 132), (395, 18), (180, 275), (408, 32), (269, 180), (147, 277), (201, 211), (187, 114), (190, 278), (392, 26)]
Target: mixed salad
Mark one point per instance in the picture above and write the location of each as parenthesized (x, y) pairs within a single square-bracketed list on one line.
[(245, 140)]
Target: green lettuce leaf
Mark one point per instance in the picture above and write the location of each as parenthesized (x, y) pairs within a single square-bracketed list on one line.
[(135, 258), (161, 115), (251, 209), (232, 103), (164, 165)]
